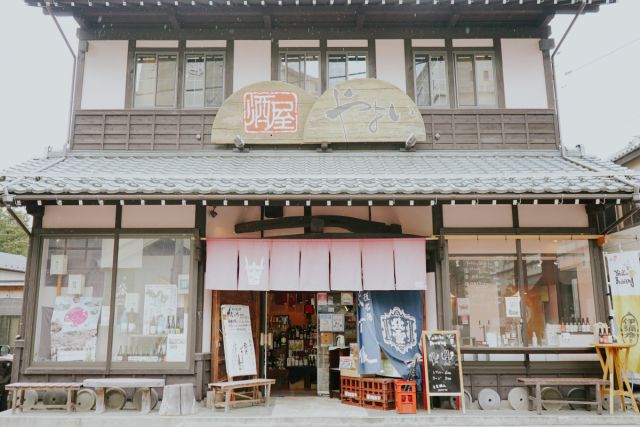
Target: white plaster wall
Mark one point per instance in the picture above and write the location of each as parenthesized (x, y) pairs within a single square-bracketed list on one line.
[(201, 44), (416, 220), (299, 43), (159, 216), (553, 216), (481, 246), (523, 71), (472, 42), (347, 43), (390, 62), (105, 75), (222, 226), (251, 62), (477, 216), (157, 43), (427, 43), (79, 217)]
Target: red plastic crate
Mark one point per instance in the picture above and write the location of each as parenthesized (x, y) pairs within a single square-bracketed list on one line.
[(351, 391), (405, 396), (378, 393)]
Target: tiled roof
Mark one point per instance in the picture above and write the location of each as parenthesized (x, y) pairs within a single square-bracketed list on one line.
[(292, 172), (12, 262), (632, 146)]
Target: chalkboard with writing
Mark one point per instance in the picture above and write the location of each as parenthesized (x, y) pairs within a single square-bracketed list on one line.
[(442, 364)]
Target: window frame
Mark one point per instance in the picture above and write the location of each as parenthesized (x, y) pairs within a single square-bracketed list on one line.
[(177, 86), (431, 51), (304, 51), (187, 368), (182, 65), (346, 51), (475, 52)]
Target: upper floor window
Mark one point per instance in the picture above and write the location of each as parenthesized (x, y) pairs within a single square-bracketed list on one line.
[(155, 80), (301, 69), (203, 80), (475, 80), (346, 66), (432, 89)]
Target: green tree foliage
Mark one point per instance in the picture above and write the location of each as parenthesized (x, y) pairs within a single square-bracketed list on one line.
[(13, 239)]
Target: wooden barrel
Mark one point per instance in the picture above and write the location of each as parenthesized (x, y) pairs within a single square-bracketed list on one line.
[(115, 398), (54, 397), (137, 399), (85, 400)]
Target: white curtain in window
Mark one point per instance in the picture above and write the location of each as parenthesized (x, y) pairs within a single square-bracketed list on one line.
[(284, 271), (314, 266)]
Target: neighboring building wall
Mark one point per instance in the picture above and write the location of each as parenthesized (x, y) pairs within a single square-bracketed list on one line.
[(523, 73), (633, 164), (105, 75)]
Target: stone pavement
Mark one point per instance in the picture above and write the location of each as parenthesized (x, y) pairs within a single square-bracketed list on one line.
[(316, 411)]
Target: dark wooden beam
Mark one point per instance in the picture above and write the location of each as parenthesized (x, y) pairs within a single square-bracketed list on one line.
[(249, 32), (453, 20), (267, 22), (173, 19), (360, 17), (317, 223)]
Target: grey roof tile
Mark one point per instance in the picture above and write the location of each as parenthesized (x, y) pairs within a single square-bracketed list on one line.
[(305, 172)]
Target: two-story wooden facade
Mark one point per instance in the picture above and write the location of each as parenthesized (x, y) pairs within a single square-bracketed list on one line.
[(147, 181)]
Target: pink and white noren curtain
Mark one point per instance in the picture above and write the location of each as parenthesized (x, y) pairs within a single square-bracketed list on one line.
[(253, 258), (284, 273), (346, 265), (316, 265)]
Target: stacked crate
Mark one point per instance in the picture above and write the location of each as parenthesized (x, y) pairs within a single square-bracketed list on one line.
[(351, 391), (378, 393)]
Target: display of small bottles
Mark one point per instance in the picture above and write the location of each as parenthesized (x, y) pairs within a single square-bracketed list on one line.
[(147, 353), (605, 336), (576, 326)]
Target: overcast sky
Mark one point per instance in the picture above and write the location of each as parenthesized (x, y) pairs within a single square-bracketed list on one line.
[(599, 97)]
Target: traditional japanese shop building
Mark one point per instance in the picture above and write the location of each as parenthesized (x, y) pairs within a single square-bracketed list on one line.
[(287, 155)]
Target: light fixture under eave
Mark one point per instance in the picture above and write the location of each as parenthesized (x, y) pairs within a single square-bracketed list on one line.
[(410, 143), (240, 145)]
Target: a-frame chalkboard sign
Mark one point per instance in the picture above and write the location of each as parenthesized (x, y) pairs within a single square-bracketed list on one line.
[(442, 366)]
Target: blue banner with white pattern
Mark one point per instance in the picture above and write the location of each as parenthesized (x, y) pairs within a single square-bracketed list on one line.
[(389, 321)]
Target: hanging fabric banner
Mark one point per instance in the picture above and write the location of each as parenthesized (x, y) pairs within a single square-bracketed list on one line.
[(624, 279), (346, 265), (391, 322), (254, 265), (410, 264), (377, 265), (284, 269), (222, 265), (314, 266), (369, 356)]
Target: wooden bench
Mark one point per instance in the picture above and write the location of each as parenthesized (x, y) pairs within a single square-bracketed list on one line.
[(538, 382), (233, 397), (17, 394), (145, 384)]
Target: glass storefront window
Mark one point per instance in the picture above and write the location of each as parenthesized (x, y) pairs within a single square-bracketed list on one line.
[(559, 299), (153, 300), (485, 302), (72, 313), (153, 294)]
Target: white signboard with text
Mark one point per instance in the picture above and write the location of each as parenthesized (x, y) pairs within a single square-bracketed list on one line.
[(239, 352)]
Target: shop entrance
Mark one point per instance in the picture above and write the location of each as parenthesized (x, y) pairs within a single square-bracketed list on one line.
[(306, 334)]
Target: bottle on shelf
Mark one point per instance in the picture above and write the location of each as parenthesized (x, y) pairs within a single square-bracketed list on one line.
[(153, 326), (132, 325)]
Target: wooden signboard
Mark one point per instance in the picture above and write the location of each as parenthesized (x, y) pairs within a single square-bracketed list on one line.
[(364, 111), (442, 365), (263, 113)]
